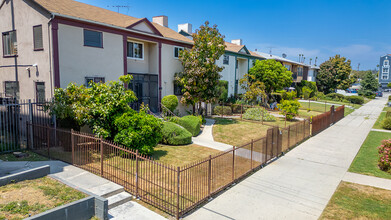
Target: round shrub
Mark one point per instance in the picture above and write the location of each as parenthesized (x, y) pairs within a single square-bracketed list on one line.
[(191, 123), (170, 101), (388, 114), (384, 151), (174, 134), (256, 114), (335, 96), (386, 123), (138, 131), (226, 110), (355, 99)]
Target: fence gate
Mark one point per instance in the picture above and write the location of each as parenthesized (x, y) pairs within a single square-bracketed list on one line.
[(14, 115)]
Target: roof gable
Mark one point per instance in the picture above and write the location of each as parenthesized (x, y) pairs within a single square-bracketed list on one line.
[(146, 26), (244, 50)]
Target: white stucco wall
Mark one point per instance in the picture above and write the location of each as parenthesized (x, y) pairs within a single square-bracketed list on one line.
[(26, 16), (78, 61), (228, 73)]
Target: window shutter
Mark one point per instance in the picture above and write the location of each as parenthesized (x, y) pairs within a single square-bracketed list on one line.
[(38, 41)]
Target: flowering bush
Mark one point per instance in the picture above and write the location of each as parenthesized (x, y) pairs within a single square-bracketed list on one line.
[(385, 155), (256, 114)]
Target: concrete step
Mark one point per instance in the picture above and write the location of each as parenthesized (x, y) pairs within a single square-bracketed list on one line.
[(119, 199), (107, 189)]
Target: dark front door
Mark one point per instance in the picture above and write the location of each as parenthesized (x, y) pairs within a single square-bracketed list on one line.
[(145, 86)]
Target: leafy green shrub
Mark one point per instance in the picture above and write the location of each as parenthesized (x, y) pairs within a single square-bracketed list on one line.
[(386, 123), (388, 114), (171, 102), (321, 95), (367, 93), (174, 134), (226, 110), (191, 123), (139, 131), (335, 96), (223, 90), (355, 99), (256, 114), (384, 151), (290, 108), (389, 98), (306, 92)]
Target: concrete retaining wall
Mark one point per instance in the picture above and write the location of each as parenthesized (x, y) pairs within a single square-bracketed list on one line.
[(25, 175)]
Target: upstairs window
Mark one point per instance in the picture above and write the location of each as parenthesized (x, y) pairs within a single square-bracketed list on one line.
[(90, 80), (300, 71), (176, 51), (11, 89), (226, 60), (40, 92), (178, 89), (386, 63), (9, 43), (37, 37), (385, 70), (135, 50), (93, 38), (288, 67)]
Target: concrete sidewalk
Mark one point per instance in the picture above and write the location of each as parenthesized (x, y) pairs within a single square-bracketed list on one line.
[(300, 184), (367, 180)]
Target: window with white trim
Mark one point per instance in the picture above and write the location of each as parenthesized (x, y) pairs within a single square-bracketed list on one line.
[(9, 43), (386, 62), (90, 80), (385, 70), (300, 71), (176, 51), (225, 59), (135, 50), (288, 67)]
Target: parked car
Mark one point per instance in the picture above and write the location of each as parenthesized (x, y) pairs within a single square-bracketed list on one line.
[(379, 94)]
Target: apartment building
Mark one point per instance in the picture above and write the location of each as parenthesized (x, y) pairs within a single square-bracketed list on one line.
[(384, 71)]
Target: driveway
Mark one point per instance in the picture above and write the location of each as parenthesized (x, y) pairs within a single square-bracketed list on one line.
[(299, 184)]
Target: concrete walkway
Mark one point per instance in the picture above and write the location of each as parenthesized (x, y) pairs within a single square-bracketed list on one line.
[(367, 180), (120, 206), (300, 184)]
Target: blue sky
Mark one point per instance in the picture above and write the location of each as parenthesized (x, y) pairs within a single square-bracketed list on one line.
[(357, 29)]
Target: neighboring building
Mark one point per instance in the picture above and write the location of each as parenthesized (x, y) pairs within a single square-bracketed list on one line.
[(312, 73), (384, 71), (50, 43), (299, 70)]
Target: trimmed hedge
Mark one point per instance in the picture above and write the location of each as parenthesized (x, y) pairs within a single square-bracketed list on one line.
[(174, 134), (336, 96), (190, 122), (170, 101), (386, 123), (218, 110), (256, 114), (355, 99)]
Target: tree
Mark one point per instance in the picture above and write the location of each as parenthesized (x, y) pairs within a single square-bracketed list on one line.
[(334, 74), (200, 75), (222, 88), (369, 84), (254, 89), (389, 85), (290, 108), (272, 74)]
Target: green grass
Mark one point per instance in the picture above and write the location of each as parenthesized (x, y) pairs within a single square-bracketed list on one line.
[(379, 120), (387, 109), (323, 107), (32, 157), (366, 159), (354, 201), (30, 197)]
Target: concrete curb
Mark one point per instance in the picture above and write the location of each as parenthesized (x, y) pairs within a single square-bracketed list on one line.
[(25, 175)]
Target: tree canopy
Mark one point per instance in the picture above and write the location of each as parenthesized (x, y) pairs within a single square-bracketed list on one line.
[(200, 75), (335, 73), (272, 74), (369, 82)]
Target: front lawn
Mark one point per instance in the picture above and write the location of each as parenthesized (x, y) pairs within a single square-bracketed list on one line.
[(354, 201), (379, 120), (30, 197), (237, 132), (366, 159), (181, 155)]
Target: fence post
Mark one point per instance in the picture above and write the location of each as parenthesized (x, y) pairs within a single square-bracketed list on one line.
[(48, 139), (31, 123), (325, 108), (252, 146), (241, 111), (233, 163), (289, 136), (73, 146), (222, 111), (136, 173), (210, 175), (178, 185), (101, 156)]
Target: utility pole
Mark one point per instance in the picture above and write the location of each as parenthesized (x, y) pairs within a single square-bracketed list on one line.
[(316, 59), (310, 61), (358, 67)]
